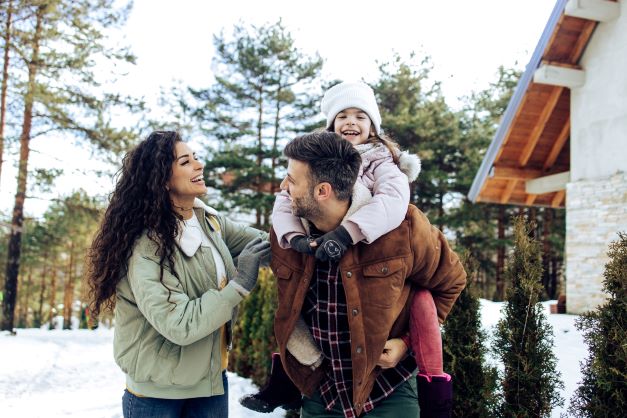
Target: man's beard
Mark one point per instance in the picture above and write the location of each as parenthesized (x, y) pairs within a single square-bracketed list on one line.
[(306, 207)]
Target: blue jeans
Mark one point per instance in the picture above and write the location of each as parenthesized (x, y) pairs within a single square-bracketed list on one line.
[(209, 407)]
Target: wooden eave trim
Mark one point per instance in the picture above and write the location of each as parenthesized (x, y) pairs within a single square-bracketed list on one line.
[(530, 199), (539, 128), (558, 199), (558, 145), (582, 42), (514, 173), (509, 189)]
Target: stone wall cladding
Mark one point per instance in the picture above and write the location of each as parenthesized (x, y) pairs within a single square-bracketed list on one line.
[(595, 211)]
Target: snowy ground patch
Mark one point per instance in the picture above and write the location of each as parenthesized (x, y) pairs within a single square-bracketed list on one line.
[(72, 373)]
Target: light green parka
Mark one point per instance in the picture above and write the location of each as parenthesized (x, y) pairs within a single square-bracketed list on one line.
[(172, 349)]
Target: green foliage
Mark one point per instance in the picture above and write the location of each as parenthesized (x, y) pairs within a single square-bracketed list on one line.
[(524, 340), (253, 332), (265, 92), (70, 40), (465, 355), (475, 225), (603, 390), (48, 245), (415, 114)]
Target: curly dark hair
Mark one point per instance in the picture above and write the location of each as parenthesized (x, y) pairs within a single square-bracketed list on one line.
[(140, 202)]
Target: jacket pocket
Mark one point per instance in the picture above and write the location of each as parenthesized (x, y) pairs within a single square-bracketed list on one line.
[(284, 285), (383, 282), (282, 271)]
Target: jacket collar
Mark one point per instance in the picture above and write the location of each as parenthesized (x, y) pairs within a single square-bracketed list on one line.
[(190, 239)]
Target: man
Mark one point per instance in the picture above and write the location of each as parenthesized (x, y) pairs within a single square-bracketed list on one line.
[(356, 308)]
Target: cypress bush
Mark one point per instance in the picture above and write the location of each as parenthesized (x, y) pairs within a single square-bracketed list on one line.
[(529, 381), (474, 382), (603, 390), (253, 332)]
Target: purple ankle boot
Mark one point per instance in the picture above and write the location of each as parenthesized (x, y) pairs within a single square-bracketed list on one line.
[(279, 391), (435, 395)]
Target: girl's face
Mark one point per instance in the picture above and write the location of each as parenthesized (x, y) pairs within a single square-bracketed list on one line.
[(353, 125), (187, 180)]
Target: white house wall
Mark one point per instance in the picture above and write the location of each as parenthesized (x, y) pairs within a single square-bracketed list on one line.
[(599, 108), (596, 197)]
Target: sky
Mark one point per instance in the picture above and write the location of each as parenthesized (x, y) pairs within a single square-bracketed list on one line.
[(72, 373), (467, 41)]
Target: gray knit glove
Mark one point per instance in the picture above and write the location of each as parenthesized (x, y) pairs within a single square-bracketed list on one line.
[(248, 262)]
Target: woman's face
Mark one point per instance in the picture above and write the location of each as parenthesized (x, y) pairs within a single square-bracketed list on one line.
[(353, 125), (187, 180)]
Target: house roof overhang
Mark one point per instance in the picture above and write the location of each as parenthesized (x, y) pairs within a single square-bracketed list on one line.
[(528, 160)]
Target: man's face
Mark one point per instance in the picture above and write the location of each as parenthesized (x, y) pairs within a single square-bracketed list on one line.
[(297, 186)]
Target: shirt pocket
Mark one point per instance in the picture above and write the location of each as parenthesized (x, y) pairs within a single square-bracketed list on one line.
[(382, 282)]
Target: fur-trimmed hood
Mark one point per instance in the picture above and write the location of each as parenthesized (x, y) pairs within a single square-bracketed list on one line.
[(371, 154)]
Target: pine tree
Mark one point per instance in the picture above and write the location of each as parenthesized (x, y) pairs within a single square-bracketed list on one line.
[(474, 381), (60, 43), (416, 115), (603, 390), (253, 333), (481, 228), (524, 340), (6, 38), (265, 93)]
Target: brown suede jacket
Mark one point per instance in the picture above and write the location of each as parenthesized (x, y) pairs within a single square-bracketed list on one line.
[(378, 281)]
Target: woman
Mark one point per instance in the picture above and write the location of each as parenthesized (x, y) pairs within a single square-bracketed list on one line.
[(164, 261)]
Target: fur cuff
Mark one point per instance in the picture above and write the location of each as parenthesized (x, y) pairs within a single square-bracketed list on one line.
[(302, 345)]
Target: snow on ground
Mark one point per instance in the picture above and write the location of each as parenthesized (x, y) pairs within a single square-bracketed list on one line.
[(72, 373)]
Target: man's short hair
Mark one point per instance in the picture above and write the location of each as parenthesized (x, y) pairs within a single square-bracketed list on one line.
[(330, 158)]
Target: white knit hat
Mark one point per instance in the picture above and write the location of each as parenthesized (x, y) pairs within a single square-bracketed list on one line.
[(351, 94)]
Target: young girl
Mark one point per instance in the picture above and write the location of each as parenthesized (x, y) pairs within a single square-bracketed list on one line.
[(352, 112)]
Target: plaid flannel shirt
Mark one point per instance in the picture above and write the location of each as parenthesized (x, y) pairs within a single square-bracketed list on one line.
[(325, 311)]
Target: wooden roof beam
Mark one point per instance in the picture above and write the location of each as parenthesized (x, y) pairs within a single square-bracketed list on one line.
[(584, 37), (509, 189), (530, 199), (559, 75), (558, 145), (599, 10), (539, 127), (557, 200), (514, 173)]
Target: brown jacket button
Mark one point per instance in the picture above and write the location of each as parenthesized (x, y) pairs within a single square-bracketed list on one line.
[(349, 274)]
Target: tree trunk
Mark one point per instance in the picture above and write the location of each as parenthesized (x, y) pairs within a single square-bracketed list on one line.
[(259, 152), (532, 219), (68, 292), (26, 298), (441, 212), (15, 239), (275, 148), (53, 296), (5, 79), (42, 294), (500, 255), (555, 266), (546, 254)]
